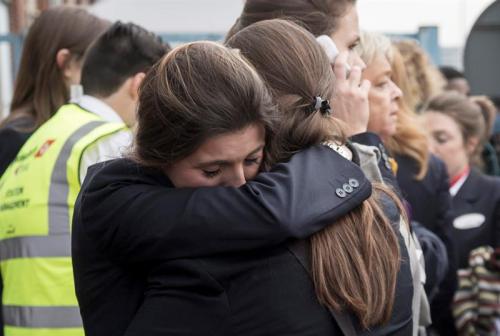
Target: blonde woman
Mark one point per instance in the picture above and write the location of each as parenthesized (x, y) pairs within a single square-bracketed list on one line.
[(422, 178)]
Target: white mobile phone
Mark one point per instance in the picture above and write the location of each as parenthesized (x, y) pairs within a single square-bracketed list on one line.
[(331, 50)]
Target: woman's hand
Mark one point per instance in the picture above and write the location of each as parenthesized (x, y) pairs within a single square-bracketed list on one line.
[(350, 103)]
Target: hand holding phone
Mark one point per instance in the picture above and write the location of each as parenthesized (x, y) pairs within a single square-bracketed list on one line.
[(331, 50), (350, 104)]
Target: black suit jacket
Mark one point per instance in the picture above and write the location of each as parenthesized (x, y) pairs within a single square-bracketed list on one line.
[(430, 203), (128, 219), (251, 294), (476, 209)]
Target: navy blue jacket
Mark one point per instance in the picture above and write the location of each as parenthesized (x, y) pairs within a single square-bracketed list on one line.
[(128, 220), (476, 209), (250, 294), (430, 203)]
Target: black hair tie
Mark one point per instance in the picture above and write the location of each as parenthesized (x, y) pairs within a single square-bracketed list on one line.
[(323, 105)]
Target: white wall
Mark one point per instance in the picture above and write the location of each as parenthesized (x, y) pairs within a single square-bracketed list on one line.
[(453, 17), (173, 16)]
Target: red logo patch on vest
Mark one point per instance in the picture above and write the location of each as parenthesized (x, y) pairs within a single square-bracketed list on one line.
[(44, 148)]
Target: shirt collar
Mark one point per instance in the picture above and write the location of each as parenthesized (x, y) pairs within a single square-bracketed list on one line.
[(458, 183), (98, 107)]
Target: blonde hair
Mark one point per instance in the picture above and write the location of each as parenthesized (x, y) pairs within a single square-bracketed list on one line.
[(425, 80), (409, 140), (372, 45)]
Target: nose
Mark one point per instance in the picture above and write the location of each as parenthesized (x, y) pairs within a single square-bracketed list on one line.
[(238, 178), (432, 146), (356, 60), (396, 91)]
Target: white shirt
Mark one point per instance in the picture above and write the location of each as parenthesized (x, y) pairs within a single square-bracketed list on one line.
[(106, 148), (456, 187)]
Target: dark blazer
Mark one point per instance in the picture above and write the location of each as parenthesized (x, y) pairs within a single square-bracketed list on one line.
[(128, 220), (430, 203), (476, 209), (258, 293)]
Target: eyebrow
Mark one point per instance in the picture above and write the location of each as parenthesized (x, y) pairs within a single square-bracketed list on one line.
[(226, 162)]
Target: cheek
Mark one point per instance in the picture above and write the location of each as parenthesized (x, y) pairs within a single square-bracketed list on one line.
[(376, 109), (251, 172)]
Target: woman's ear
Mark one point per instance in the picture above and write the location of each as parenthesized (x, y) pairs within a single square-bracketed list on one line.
[(62, 58), (68, 66), (471, 145)]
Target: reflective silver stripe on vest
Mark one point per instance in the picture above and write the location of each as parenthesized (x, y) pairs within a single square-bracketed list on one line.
[(42, 317), (35, 246), (59, 186)]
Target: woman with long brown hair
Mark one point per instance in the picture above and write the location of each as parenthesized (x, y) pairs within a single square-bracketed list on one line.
[(292, 77), (269, 291), (50, 63)]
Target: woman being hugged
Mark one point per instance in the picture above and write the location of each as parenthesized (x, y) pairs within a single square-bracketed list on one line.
[(270, 291), (205, 120)]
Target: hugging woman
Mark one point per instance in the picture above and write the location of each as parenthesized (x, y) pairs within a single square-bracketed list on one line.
[(217, 262)]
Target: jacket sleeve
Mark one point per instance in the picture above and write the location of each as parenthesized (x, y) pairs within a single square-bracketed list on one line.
[(135, 220)]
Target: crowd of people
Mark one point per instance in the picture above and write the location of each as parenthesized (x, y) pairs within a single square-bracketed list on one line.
[(301, 177)]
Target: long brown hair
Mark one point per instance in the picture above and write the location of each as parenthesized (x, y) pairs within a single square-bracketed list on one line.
[(344, 254), (197, 91), (40, 88), (320, 17)]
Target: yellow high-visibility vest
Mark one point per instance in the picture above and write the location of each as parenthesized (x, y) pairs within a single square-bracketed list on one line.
[(37, 195)]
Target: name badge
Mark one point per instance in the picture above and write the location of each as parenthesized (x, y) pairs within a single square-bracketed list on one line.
[(469, 221)]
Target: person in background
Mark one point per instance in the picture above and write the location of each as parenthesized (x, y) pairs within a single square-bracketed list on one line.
[(50, 64), (456, 129), (38, 190), (455, 79), (425, 80), (424, 181), (489, 163)]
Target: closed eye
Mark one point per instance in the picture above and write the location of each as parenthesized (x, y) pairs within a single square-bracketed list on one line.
[(211, 173), (252, 161)]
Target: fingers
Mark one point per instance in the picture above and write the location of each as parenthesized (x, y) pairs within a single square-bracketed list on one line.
[(355, 76), (339, 68)]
